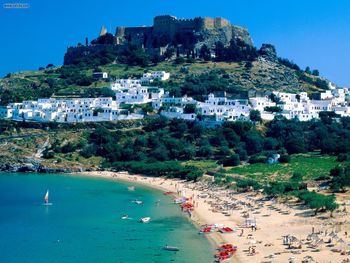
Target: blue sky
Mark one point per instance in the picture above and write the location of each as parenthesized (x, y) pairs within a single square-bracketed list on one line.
[(312, 33)]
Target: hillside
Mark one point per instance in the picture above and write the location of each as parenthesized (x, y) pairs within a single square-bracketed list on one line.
[(72, 81)]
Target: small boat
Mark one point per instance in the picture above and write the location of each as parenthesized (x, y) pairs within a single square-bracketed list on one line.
[(145, 219), (138, 202), (46, 198), (125, 217), (131, 188), (171, 248)]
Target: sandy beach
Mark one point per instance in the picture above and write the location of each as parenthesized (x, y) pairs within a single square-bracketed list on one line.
[(263, 230)]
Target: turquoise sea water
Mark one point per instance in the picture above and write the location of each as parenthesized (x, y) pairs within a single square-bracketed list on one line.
[(84, 223)]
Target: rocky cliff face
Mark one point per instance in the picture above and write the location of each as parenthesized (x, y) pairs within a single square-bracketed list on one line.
[(224, 35), (268, 52)]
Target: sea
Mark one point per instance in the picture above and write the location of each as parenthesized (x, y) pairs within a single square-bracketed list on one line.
[(84, 222)]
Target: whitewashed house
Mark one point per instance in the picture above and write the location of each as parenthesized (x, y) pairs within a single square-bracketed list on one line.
[(100, 75), (260, 103), (217, 106), (167, 100), (70, 110), (6, 112), (151, 76), (326, 95), (119, 84), (178, 113), (129, 91)]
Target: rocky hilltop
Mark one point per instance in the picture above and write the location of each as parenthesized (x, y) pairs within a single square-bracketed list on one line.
[(185, 35), (168, 30)]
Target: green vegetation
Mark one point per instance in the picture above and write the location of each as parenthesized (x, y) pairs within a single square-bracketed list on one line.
[(340, 177), (170, 169), (192, 76), (317, 201), (311, 166)]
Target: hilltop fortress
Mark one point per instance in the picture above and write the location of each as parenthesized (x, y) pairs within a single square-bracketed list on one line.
[(168, 29), (185, 35)]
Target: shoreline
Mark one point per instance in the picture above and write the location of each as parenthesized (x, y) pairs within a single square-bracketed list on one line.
[(273, 220), (197, 217)]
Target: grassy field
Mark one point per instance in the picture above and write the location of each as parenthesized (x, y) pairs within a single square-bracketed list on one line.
[(310, 165), (203, 165)]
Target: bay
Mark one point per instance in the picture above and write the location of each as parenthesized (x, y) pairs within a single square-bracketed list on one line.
[(84, 223)]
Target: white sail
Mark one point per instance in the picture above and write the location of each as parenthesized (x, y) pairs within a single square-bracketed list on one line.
[(47, 197)]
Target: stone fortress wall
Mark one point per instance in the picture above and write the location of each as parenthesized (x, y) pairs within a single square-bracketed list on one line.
[(170, 25)]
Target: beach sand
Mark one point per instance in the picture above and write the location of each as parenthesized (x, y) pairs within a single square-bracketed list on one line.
[(308, 236)]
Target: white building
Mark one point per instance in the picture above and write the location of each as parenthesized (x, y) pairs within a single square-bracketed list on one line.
[(5, 112), (216, 109), (125, 83), (167, 100), (151, 76), (130, 91), (217, 106), (260, 103), (178, 113), (69, 110), (100, 75)]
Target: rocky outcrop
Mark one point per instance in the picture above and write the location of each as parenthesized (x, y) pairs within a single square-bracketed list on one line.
[(268, 52), (35, 167), (224, 35)]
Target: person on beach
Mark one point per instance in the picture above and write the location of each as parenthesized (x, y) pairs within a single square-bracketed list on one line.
[(242, 231)]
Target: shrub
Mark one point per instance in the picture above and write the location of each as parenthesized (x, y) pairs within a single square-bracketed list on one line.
[(247, 183), (170, 169), (285, 158), (257, 159), (297, 177), (281, 188), (233, 160), (68, 147), (88, 151), (342, 157), (48, 154)]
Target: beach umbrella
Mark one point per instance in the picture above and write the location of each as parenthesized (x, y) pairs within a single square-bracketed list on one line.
[(341, 241), (293, 239), (332, 234), (320, 242), (312, 236)]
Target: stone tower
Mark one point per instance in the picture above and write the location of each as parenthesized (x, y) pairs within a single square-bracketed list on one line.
[(103, 31)]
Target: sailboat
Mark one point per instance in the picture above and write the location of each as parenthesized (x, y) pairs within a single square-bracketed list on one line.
[(46, 198), (145, 219), (131, 188)]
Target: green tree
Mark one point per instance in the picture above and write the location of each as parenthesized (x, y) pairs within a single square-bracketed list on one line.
[(297, 177), (190, 108), (315, 72), (308, 70), (204, 53), (169, 53), (255, 116), (233, 160)]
